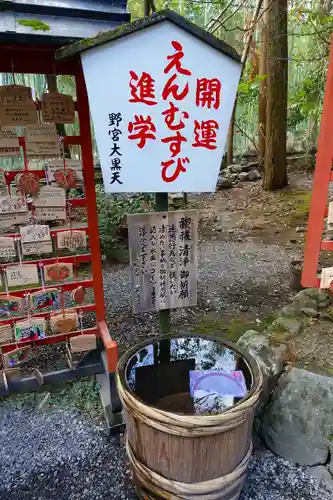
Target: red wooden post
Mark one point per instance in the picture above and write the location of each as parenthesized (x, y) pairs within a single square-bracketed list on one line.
[(321, 181), (89, 180)]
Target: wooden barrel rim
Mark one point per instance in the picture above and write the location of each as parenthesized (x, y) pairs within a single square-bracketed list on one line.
[(248, 359)]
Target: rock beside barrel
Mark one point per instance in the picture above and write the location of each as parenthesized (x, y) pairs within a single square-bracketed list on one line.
[(298, 424)]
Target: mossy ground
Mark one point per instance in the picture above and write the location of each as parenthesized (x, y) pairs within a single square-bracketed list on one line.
[(247, 209), (81, 395), (230, 328)]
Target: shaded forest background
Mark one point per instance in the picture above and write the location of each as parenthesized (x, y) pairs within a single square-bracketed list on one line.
[(285, 48)]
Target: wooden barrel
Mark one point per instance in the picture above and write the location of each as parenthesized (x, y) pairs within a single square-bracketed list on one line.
[(185, 456)]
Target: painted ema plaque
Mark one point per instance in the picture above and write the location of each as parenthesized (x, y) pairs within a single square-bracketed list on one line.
[(163, 258), (166, 120)]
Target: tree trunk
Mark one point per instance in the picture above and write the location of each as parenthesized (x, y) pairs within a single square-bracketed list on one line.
[(275, 168), (146, 8), (230, 144), (262, 88)]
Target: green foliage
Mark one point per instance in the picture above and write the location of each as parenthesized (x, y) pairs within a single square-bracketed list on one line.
[(248, 90), (36, 24), (112, 211), (306, 100)]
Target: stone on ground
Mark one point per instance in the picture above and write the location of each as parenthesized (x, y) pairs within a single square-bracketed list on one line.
[(312, 298), (253, 175), (322, 476), (224, 183), (298, 420), (270, 358)]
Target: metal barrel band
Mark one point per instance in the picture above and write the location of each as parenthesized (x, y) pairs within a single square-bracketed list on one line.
[(229, 486)]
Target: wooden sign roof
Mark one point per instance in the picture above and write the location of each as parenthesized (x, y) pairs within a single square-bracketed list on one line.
[(140, 24), (58, 22)]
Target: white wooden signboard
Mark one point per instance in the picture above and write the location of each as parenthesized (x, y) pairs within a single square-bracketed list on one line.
[(161, 124), (163, 258)]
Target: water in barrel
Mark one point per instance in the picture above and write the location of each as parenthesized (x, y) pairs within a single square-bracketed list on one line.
[(188, 375)]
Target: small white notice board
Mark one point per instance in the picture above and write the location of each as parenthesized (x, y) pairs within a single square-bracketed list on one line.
[(163, 258)]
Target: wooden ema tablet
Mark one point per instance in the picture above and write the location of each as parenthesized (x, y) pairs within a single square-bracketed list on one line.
[(7, 247), (66, 179), (82, 343), (50, 204), (54, 166), (22, 275), (78, 295), (12, 205), (8, 221), (8, 137), (57, 108), (58, 272), (17, 356), (45, 299), (33, 329), (9, 143), (15, 94), (17, 106), (72, 240), (77, 346), (27, 183), (326, 278), (63, 322), (3, 184), (51, 196), (42, 140), (9, 304), (6, 334)]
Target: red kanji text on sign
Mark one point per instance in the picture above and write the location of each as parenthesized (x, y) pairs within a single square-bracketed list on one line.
[(208, 93), (141, 129), (205, 134), (142, 89), (177, 169), (172, 89), (170, 117), (175, 60), (175, 143)]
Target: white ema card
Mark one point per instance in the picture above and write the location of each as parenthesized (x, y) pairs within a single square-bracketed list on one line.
[(20, 275), (330, 213), (326, 278), (51, 196), (7, 247), (35, 233)]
